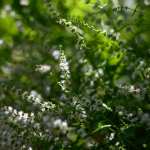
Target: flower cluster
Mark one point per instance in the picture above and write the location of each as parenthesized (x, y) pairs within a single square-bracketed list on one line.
[(64, 66)]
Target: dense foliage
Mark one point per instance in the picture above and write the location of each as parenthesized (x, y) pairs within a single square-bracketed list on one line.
[(75, 74)]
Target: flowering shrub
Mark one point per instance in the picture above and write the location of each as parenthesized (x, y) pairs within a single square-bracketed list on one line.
[(75, 75)]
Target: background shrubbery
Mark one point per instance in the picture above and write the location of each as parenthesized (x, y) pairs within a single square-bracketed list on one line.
[(74, 74)]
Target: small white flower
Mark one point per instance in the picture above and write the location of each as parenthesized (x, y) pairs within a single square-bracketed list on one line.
[(15, 111), (131, 89), (1, 40), (112, 135), (73, 29), (6, 112), (38, 100), (20, 113), (62, 21), (32, 114), (45, 68), (138, 90), (64, 124), (56, 54), (63, 64), (24, 2), (10, 108), (23, 147), (43, 109), (25, 116), (130, 115), (120, 113), (57, 122)]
